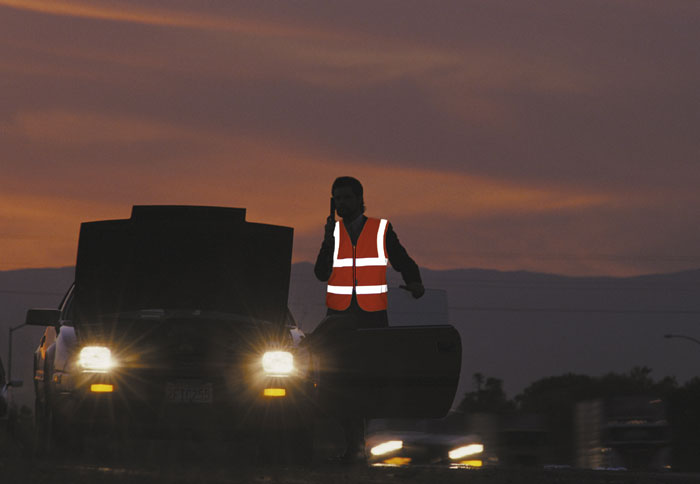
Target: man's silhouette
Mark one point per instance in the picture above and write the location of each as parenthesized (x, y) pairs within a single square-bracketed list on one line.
[(353, 259)]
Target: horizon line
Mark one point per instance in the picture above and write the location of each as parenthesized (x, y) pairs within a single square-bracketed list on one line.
[(424, 268)]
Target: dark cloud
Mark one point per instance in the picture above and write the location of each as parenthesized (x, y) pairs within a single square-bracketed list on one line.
[(593, 98), (588, 241)]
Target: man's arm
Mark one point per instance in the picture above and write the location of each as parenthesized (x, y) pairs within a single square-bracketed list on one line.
[(402, 262), (324, 260)]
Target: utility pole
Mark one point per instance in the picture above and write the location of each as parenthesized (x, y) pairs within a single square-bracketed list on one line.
[(9, 351)]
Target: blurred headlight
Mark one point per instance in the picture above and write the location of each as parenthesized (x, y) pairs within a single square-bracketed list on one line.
[(278, 363), (460, 452), (95, 358), (386, 447)]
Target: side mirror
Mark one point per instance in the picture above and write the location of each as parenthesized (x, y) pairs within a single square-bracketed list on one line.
[(15, 383), (43, 317)]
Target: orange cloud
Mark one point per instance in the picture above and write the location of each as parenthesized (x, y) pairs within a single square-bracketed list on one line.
[(319, 56), (125, 12), (292, 170), (277, 182), (85, 127), (332, 57), (42, 231)]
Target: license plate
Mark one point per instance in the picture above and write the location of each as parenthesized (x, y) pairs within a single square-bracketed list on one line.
[(189, 392)]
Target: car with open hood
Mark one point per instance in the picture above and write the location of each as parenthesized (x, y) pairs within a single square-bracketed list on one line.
[(177, 324)]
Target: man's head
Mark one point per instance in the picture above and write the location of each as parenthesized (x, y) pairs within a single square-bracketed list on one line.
[(348, 195)]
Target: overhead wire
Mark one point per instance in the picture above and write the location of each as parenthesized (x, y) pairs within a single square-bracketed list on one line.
[(31, 293)]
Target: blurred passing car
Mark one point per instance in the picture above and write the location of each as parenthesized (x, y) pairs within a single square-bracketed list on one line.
[(177, 325), (422, 442)]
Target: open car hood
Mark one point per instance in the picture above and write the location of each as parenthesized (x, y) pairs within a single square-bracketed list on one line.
[(182, 258)]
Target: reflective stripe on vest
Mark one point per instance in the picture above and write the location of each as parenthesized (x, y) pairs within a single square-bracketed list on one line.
[(359, 289), (361, 268), (380, 260)]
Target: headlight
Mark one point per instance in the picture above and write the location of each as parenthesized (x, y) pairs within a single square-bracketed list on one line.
[(95, 358), (386, 447), (460, 452), (278, 363)]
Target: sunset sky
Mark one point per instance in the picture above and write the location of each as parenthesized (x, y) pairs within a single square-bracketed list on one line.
[(556, 136)]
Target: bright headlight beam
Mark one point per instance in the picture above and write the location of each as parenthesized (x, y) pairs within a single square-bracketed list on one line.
[(386, 447), (278, 363), (95, 358), (466, 450)]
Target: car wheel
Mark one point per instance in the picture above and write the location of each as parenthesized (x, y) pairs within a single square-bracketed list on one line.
[(269, 449), (65, 439), (42, 436), (52, 438), (288, 446), (300, 446)]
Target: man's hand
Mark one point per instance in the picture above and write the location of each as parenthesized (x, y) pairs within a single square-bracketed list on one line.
[(330, 227), (415, 288)]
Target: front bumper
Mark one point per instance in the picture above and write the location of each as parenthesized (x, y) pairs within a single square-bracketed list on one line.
[(163, 404)]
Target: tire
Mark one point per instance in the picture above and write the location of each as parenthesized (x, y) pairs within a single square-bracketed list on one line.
[(42, 437), (289, 447), (300, 446), (67, 440), (52, 437)]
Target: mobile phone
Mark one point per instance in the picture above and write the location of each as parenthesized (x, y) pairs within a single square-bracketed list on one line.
[(333, 208)]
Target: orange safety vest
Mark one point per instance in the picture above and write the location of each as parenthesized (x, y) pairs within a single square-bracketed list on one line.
[(360, 269)]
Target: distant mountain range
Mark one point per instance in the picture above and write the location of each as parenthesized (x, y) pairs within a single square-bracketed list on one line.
[(517, 326)]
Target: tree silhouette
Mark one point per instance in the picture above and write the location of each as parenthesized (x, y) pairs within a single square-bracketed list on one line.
[(556, 396), (488, 396)]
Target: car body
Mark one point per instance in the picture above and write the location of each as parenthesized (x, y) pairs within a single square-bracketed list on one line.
[(173, 382), (177, 324)]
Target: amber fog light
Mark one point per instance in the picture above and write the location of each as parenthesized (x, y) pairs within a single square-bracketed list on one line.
[(101, 388), (274, 392)]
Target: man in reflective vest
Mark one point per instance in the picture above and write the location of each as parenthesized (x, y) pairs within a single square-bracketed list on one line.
[(353, 259), (354, 256)]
